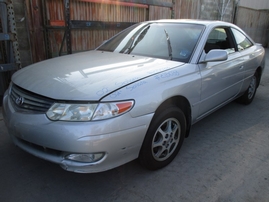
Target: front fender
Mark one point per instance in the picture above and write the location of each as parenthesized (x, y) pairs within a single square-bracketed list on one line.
[(151, 92)]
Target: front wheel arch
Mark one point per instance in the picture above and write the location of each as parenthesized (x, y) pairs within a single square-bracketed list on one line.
[(164, 138), (183, 104)]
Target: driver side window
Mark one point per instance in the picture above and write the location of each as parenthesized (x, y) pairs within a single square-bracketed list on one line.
[(219, 39)]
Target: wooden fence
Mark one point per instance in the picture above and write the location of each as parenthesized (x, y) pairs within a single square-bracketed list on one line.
[(91, 22)]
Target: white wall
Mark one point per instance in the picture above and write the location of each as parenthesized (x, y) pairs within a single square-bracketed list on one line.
[(255, 4)]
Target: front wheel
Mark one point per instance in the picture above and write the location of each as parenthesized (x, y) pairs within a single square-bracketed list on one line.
[(163, 139), (249, 94)]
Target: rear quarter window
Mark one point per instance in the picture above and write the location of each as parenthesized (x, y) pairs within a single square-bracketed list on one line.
[(241, 40)]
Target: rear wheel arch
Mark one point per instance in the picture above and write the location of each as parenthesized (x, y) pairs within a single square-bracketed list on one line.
[(249, 94)]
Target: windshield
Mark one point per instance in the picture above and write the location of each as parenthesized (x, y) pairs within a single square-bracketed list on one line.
[(174, 41)]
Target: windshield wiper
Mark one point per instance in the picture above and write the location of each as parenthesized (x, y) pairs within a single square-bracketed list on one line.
[(136, 39), (169, 45)]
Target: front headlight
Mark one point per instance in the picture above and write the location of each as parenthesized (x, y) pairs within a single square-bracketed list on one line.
[(112, 109), (88, 112), (71, 112)]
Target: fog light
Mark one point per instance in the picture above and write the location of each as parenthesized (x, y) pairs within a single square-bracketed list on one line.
[(86, 158)]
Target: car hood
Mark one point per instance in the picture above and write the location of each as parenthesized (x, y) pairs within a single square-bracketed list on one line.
[(87, 76)]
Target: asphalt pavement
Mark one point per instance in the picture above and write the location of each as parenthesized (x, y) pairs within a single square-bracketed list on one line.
[(226, 158)]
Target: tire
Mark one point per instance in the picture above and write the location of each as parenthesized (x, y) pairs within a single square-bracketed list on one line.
[(164, 138), (249, 94)]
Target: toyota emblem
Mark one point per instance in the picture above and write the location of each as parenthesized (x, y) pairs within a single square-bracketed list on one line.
[(19, 100)]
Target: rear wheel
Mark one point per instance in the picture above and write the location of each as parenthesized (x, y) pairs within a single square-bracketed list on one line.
[(163, 139), (249, 94)]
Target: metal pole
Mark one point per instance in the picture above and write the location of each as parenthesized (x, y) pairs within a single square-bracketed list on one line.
[(173, 10), (68, 26), (13, 30)]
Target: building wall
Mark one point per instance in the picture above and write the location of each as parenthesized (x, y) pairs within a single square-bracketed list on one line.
[(257, 5), (255, 23), (253, 18), (205, 9)]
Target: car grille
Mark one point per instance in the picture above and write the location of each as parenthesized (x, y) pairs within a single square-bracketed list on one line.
[(26, 101)]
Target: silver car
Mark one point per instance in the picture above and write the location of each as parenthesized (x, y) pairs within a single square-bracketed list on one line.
[(135, 96)]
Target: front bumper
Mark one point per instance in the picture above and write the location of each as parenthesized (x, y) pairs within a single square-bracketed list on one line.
[(119, 138)]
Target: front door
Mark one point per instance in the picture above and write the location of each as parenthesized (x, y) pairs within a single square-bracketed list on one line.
[(221, 81)]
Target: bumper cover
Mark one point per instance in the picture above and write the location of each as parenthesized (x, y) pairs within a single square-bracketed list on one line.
[(119, 138)]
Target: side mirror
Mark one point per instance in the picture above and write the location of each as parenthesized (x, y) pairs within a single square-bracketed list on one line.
[(215, 55)]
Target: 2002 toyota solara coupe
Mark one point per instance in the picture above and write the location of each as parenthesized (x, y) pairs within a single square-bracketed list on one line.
[(135, 96)]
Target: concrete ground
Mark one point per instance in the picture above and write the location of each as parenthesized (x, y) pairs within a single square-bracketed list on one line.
[(226, 158)]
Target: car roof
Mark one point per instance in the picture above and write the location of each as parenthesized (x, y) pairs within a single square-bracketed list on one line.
[(196, 21)]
